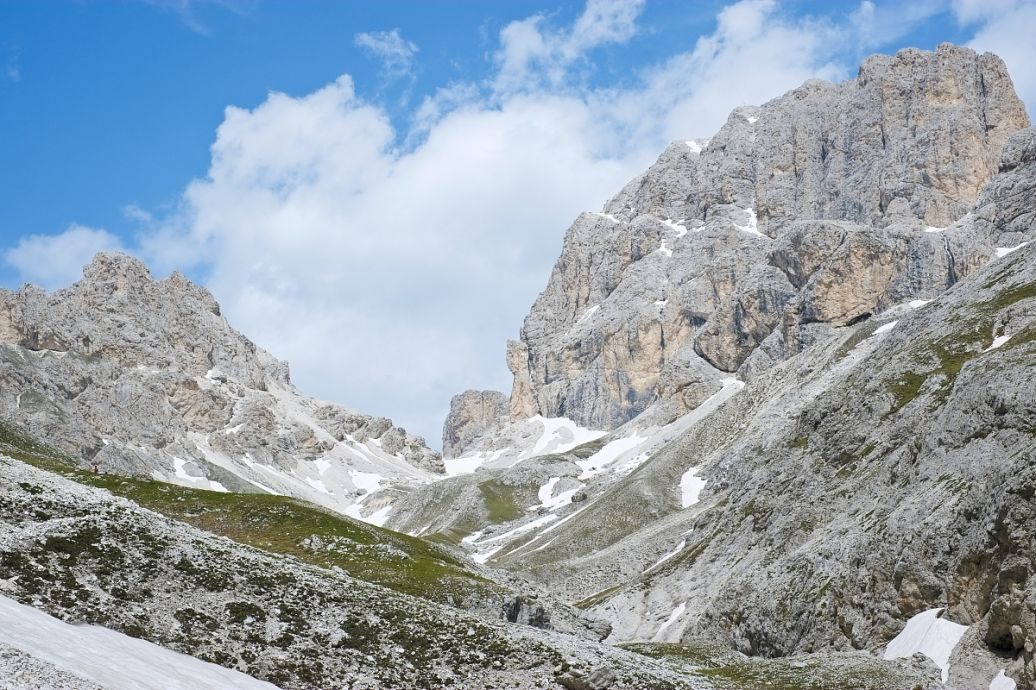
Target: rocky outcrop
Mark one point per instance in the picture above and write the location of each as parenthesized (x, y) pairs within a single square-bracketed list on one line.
[(826, 205), (472, 414), (885, 471), (86, 556), (146, 377)]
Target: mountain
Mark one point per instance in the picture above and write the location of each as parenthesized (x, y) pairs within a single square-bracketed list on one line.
[(779, 392), (146, 377), (771, 426), (823, 206)]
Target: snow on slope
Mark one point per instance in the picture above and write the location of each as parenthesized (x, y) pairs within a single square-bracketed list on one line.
[(690, 487), (342, 478), (1002, 682), (528, 438), (625, 453), (929, 635), (111, 659)]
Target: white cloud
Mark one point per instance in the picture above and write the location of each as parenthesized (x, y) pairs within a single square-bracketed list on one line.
[(395, 52), (878, 24), (531, 53), (1005, 27), (54, 261)]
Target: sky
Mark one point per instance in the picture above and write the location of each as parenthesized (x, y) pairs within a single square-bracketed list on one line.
[(377, 191)]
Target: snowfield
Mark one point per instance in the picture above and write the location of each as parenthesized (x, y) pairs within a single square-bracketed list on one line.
[(929, 635), (111, 659)]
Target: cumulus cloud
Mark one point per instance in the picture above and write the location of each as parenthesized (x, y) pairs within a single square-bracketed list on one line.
[(54, 261), (395, 52), (531, 53)]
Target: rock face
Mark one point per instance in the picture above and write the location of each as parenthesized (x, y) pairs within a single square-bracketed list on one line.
[(822, 207), (146, 377), (472, 414), (841, 287)]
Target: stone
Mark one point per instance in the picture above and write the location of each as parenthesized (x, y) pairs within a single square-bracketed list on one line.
[(823, 206), (146, 377), (472, 415)]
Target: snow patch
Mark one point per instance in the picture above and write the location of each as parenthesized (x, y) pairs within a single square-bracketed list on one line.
[(676, 226), (1001, 252), (607, 216), (918, 303), (690, 487), (596, 463), (520, 529), (997, 342), (932, 228), (752, 228), (663, 559), (665, 250), (885, 328), (318, 485), (547, 490), (677, 612), (1002, 682), (929, 635), (466, 464), (588, 313), (560, 434), (368, 482), (179, 470), (111, 659)]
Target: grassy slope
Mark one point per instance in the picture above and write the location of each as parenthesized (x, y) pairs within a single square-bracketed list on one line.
[(279, 525)]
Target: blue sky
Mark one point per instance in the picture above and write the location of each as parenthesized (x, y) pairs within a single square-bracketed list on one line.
[(388, 193)]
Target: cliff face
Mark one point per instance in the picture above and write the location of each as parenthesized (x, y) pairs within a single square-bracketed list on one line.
[(472, 413), (146, 377), (824, 206)]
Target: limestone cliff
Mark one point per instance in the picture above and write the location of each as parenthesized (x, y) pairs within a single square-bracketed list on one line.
[(819, 208)]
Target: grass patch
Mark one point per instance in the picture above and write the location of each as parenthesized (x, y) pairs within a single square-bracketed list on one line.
[(500, 501), (727, 671), (1009, 296), (597, 598), (279, 525)]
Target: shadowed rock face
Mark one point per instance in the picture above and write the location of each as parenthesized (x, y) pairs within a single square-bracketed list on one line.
[(819, 208)]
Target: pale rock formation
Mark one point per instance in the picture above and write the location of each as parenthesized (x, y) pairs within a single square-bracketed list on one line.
[(146, 377), (472, 414), (821, 207)]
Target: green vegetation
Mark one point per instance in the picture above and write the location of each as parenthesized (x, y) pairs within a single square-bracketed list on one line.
[(280, 525), (597, 598), (905, 388), (727, 671), (1009, 296), (500, 501)]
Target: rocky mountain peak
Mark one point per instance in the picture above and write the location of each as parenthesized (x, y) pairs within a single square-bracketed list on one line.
[(472, 413), (824, 206), (117, 267), (147, 377)]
